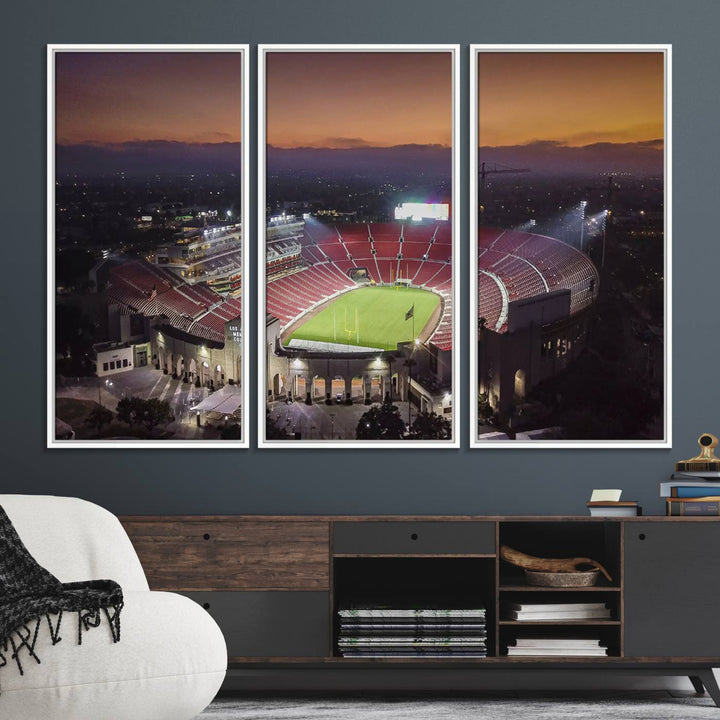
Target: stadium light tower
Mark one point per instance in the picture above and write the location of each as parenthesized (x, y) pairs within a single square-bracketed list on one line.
[(583, 205), (606, 212)]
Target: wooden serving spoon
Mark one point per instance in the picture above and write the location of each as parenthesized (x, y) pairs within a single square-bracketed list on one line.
[(529, 562)]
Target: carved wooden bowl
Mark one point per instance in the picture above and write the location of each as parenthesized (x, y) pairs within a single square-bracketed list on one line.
[(583, 578)]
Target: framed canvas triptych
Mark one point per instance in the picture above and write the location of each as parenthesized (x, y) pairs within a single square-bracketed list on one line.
[(358, 245)]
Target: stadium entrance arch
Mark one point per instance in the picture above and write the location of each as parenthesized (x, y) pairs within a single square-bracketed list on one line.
[(520, 384), (277, 385), (318, 387), (358, 391)]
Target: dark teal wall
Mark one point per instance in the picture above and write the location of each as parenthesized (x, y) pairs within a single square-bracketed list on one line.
[(348, 481)]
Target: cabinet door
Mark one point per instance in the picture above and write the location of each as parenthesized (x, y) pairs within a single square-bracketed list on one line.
[(409, 537), (235, 554), (270, 624), (672, 579)]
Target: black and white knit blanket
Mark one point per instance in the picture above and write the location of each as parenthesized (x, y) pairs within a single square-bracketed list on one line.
[(30, 597)]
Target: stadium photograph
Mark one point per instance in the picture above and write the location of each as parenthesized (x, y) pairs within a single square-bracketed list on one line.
[(356, 313), (569, 282), (146, 260)]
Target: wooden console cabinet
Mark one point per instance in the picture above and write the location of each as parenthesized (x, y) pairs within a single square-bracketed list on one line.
[(274, 584)]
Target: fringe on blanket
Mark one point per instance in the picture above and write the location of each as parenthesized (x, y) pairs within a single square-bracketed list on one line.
[(30, 594)]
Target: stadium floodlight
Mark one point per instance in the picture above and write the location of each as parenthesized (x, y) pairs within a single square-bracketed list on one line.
[(422, 211), (583, 205)]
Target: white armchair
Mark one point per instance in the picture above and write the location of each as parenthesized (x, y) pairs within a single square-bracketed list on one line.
[(170, 661)]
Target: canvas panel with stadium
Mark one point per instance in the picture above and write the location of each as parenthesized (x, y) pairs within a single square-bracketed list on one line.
[(358, 262), (146, 256), (570, 247)]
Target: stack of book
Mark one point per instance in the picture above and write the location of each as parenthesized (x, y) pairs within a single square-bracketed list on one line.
[(692, 493), (533, 612), (424, 632), (563, 647)]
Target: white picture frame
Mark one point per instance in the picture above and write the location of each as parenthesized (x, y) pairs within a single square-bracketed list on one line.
[(475, 442), (263, 441), (53, 441)]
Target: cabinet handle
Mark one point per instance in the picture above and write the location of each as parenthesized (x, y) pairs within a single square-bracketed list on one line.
[(641, 536), (206, 606), (414, 536), (206, 536)]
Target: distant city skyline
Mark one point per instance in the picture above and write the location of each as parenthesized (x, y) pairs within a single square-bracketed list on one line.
[(115, 98), (570, 98), (343, 100)]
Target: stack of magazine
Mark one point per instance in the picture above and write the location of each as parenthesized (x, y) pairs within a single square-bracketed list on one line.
[(561, 647), (417, 632)]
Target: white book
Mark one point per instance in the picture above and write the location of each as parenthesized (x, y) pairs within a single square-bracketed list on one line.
[(559, 652), (543, 607), (600, 613), (557, 642), (620, 511)]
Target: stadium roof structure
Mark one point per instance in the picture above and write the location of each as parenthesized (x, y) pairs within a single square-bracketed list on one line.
[(197, 310), (515, 265), (226, 400)]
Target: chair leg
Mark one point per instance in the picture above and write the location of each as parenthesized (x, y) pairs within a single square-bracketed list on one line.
[(697, 684), (711, 685)]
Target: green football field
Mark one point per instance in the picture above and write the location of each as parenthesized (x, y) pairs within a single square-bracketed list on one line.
[(371, 317)]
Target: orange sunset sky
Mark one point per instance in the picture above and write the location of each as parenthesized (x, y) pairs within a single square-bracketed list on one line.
[(116, 97), (575, 98), (355, 99)]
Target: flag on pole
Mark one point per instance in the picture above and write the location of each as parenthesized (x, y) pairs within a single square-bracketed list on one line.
[(410, 313)]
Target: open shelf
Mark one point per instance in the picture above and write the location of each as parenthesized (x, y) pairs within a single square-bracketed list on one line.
[(482, 579), (602, 542), (415, 582), (599, 541), (606, 632)]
